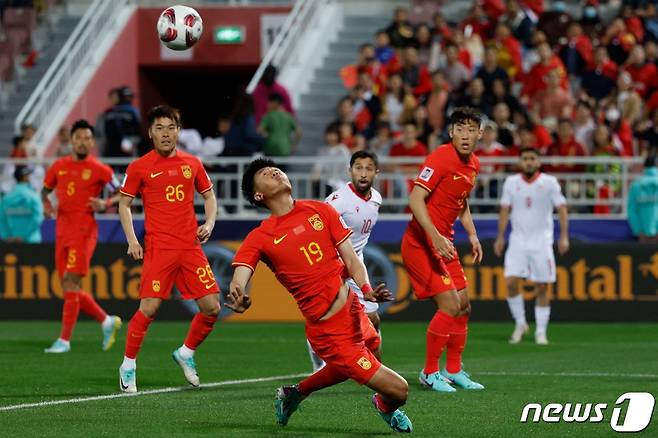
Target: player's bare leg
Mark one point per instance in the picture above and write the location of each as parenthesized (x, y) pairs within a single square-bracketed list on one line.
[(137, 329), (542, 313), (75, 299), (200, 327), (456, 344), (516, 308)]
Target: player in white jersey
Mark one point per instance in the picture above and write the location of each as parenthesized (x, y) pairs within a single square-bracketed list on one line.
[(358, 204), (531, 196)]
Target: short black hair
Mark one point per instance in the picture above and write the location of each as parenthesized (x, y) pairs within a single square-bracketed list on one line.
[(464, 114), (82, 124), (651, 161), (248, 178), (332, 128), (530, 149), (275, 97), (358, 155), (160, 111)]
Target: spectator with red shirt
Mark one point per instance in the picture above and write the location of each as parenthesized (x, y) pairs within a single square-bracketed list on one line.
[(566, 145), (409, 146), (267, 86), (535, 80), (414, 74), (644, 75), (479, 23), (19, 149)]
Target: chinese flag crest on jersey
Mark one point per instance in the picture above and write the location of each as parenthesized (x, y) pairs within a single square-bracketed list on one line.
[(364, 363), (187, 171), (86, 174), (156, 286), (316, 222)]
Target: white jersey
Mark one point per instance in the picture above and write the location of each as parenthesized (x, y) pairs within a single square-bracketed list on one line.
[(359, 213), (532, 204)]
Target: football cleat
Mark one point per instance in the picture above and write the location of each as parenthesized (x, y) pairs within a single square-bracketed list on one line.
[(541, 339), (128, 380), (518, 333), (110, 332), (396, 420), (435, 382), (59, 346), (286, 403), (189, 368), (461, 379)]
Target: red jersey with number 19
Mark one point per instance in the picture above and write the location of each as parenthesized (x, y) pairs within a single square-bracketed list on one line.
[(166, 185), (300, 248)]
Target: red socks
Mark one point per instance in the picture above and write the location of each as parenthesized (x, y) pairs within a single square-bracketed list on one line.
[(89, 306), (137, 328), (438, 334), (324, 377), (456, 344), (386, 405), (200, 328), (69, 314)]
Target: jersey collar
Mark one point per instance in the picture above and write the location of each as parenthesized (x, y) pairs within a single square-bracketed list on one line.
[(531, 180), (349, 184)]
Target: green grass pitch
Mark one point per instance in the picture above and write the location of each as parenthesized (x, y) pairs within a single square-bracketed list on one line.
[(584, 363)]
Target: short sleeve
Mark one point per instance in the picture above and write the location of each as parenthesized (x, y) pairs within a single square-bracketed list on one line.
[(249, 252), (50, 180), (202, 181), (336, 200), (506, 198), (337, 227), (557, 198), (132, 181), (108, 178), (430, 174)]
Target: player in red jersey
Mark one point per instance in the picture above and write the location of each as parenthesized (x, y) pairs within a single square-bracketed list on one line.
[(301, 243), (78, 181), (439, 197), (166, 179)]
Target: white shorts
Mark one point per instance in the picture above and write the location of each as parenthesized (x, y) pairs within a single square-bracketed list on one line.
[(537, 264), (369, 306)]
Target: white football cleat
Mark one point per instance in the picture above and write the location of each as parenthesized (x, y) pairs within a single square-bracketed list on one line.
[(128, 379), (518, 333), (189, 368), (541, 339), (59, 346)]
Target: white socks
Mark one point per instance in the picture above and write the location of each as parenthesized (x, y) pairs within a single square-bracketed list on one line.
[(64, 341), (128, 363), (542, 315), (185, 352), (517, 309)]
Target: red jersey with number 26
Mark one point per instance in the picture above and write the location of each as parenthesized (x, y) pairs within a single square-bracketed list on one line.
[(167, 185), (300, 248), (449, 180)]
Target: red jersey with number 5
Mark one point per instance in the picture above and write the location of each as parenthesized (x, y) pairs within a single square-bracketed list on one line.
[(74, 182), (300, 248), (167, 185), (449, 180)]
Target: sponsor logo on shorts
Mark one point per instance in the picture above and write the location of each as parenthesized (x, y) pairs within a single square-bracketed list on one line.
[(156, 286), (86, 174), (637, 417), (426, 174), (364, 363), (187, 171), (316, 222)]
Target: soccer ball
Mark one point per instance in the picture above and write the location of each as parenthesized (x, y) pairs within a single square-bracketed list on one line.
[(179, 27)]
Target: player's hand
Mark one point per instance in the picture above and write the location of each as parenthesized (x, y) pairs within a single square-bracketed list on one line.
[(499, 246), (48, 209), (203, 232), (236, 299), (476, 249), (135, 250), (379, 294), (563, 245), (443, 246), (97, 204)]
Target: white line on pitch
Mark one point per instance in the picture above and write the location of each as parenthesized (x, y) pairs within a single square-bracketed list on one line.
[(149, 392), (567, 374)]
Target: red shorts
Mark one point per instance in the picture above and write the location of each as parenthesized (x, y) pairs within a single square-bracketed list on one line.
[(430, 274), (188, 269), (341, 341), (74, 255)]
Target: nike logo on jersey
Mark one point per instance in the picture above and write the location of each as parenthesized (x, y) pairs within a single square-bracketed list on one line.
[(61, 172), (277, 241), (153, 175), (456, 177)]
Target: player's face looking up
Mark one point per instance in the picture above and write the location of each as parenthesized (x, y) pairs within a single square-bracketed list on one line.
[(269, 182), (164, 134), (82, 141), (464, 135), (363, 173), (529, 163)]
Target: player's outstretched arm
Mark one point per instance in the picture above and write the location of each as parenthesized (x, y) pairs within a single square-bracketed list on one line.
[(359, 274), (204, 231), (48, 209), (236, 298), (503, 220), (441, 244), (466, 219), (134, 248), (563, 242)]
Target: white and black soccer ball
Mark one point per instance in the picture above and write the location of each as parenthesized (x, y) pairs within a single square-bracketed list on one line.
[(179, 27)]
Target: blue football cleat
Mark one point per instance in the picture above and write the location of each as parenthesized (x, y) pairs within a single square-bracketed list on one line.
[(435, 382), (461, 379), (396, 420), (286, 403), (189, 368)]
